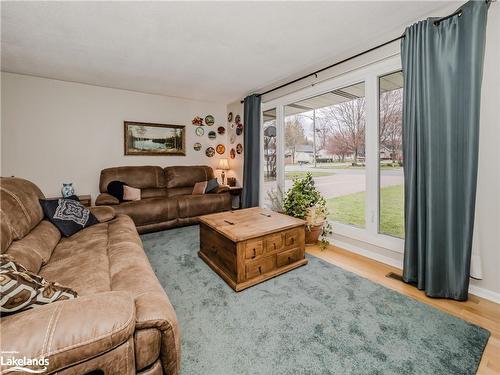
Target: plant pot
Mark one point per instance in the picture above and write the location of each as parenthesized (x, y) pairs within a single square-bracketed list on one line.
[(312, 233)]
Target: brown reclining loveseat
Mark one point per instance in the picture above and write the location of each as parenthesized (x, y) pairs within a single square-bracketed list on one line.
[(122, 321), (166, 195)]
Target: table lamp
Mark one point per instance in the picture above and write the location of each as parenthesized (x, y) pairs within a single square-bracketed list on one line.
[(223, 166)]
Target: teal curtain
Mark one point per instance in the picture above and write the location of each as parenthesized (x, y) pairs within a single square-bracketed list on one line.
[(442, 68), (251, 152)]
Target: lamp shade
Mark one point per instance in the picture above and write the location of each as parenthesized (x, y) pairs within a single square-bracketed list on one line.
[(223, 164)]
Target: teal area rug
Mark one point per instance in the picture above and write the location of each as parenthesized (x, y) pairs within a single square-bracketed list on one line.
[(317, 319)]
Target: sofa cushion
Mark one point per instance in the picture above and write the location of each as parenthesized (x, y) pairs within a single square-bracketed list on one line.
[(150, 210), (139, 177), (81, 261), (19, 201), (187, 176), (197, 205), (35, 249)]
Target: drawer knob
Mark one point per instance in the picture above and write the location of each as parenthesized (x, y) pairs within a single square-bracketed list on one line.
[(260, 269), (274, 244), (254, 253)]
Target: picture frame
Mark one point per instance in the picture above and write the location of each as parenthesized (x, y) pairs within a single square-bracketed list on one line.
[(152, 139)]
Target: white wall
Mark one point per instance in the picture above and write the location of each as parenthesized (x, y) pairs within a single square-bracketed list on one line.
[(236, 164), (487, 228), (55, 131)]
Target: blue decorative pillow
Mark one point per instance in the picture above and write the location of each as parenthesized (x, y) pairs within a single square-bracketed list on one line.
[(68, 215), (212, 186)]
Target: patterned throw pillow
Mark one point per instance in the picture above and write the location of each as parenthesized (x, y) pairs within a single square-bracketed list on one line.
[(21, 289), (68, 215)]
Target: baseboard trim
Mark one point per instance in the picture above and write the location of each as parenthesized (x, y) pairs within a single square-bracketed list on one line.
[(369, 254), (484, 293), (473, 289)]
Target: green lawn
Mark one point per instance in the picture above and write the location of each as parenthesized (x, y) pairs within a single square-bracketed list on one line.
[(350, 209), (294, 175)]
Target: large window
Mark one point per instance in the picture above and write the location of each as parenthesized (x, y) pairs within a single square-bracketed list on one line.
[(269, 159), (325, 135), (347, 132), (391, 155)]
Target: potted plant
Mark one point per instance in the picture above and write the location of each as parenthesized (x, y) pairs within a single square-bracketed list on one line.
[(304, 201)]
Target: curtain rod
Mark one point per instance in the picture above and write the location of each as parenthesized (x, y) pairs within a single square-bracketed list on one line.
[(315, 73)]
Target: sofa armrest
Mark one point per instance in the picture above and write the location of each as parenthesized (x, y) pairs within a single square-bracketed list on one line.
[(154, 310), (103, 213), (71, 331), (105, 199), (221, 189)]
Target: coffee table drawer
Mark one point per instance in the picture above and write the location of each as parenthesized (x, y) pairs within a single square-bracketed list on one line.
[(274, 243), (260, 266), (253, 249), (292, 237), (288, 257)]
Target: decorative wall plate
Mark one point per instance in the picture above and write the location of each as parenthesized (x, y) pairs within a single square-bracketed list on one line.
[(220, 149), (232, 153), (239, 148), (197, 146), (197, 121), (237, 119), (209, 120), (230, 117), (232, 139), (221, 130), (210, 152), (212, 134), (239, 129), (199, 132)]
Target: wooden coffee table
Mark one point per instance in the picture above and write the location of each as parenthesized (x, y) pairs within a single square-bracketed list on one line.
[(246, 247)]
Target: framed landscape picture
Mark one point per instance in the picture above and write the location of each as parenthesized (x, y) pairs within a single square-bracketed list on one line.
[(143, 138)]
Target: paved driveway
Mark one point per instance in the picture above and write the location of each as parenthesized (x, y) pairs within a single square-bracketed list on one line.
[(343, 181)]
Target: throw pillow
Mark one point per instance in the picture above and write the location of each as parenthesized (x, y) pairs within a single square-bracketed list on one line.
[(69, 216), (199, 188), (131, 194), (21, 289), (115, 188), (212, 186)]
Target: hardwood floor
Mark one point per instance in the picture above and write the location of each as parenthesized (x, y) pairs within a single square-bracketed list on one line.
[(476, 310)]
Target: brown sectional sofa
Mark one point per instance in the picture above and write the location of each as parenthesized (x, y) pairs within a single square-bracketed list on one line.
[(122, 322), (166, 199)]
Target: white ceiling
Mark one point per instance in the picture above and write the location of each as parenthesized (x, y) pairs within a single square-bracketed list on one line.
[(208, 50)]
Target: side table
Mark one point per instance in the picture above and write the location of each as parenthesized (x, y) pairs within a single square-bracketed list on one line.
[(236, 191), (85, 199)]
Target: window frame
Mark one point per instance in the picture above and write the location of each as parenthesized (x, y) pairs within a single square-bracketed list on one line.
[(370, 74)]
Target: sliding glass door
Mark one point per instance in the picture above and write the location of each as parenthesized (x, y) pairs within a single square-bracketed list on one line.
[(346, 132)]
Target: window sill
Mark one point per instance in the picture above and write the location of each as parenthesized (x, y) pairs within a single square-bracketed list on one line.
[(387, 242)]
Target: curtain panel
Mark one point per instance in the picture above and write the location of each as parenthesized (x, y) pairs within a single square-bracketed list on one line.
[(251, 160), (442, 68)]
